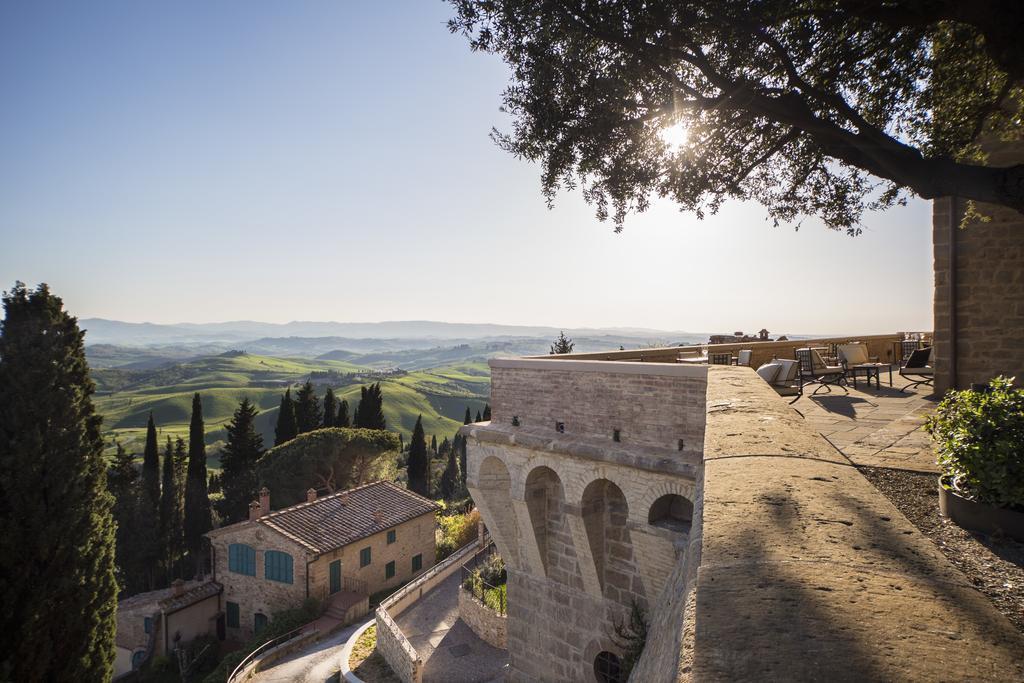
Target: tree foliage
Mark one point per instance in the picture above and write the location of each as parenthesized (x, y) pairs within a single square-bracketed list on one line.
[(123, 484), (562, 345), (238, 463), (57, 535), (327, 460), (148, 540), (451, 478), (418, 469), (370, 411), (343, 419), (811, 108), (198, 515), (286, 428), (330, 409), (170, 531), (308, 415)]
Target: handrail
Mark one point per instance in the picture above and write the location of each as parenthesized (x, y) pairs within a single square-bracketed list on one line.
[(471, 575), (273, 642)]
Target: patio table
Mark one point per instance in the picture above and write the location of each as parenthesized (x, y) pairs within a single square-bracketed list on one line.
[(870, 370)]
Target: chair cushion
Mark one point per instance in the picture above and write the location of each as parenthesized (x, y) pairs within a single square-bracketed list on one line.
[(926, 370), (854, 354), (769, 371), (786, 389), (787, 373)]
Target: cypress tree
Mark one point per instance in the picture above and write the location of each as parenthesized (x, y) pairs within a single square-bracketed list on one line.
[(370, 411), (307, 409), (433, 444), (238, 463), (330, 409), (466, 420), (419, 465), (149, 551), (286, 428), (460, 448), (170, 526), (478, 417), (343, 419), (198, 519), (57, 533), (487, 412), (451, 479), (123, 484)]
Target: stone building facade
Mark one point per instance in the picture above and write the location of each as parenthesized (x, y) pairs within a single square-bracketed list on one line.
[(360, 541), (585, 478), (979, 288)]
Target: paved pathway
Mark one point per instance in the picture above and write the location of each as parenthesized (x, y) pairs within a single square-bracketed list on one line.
[(875, 427), (451, 652), (315, 664)]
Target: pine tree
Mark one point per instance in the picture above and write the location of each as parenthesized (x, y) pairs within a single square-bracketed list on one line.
[(330, 409), (238, 463), (343, 419), (562, 345), (469, 418), (286, 428), (487, 412), (370, 411), (307, 409), (123, 484), (198, 517), (57, 534), (419, 465), (451, 479), (149, 551), (170, 526)]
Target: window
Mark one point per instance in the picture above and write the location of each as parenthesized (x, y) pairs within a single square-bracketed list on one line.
[(417, 563), (232, 610), (364, 557), (147, 624), (277, 566), (391, 536), (389, 570), (241, 559), (608, 668)]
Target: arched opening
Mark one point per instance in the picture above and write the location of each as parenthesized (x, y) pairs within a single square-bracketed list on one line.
[(608, 668), (672, 512), (493, 478), (545, 500), (605, 515)]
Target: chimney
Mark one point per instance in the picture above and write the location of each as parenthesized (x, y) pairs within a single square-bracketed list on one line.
[(310, 495), (254, 511), (177, 587), (264, 501), (343, 498), (378, 516)]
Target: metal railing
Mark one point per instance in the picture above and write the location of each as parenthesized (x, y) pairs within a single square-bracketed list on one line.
[(272, 643), (491, 596)]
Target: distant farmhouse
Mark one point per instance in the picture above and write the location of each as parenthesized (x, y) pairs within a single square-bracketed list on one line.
[(338, 549)]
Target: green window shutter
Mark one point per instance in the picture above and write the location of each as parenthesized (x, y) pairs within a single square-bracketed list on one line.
[(147, 624), (364, 557), (391, 536), (242, 559), (277, 566), (389, 570), (417, 563), (232, 614)]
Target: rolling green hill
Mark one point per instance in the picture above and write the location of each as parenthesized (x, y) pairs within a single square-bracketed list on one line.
[(126, 397)]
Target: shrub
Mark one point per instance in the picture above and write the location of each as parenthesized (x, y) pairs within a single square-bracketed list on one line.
[(979, 442), (455, 531), (632, 638)]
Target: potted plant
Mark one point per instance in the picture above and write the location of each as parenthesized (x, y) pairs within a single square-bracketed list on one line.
[(979, 441)]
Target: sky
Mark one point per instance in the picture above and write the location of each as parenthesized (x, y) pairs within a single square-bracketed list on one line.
[(324, 160)]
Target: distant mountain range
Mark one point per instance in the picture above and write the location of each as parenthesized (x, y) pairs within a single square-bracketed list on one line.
[(102, 331)]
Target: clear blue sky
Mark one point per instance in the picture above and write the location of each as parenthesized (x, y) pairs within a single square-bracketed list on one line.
[(276, 161)]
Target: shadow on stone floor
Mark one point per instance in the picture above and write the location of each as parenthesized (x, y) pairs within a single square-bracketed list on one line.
[(841, 405)]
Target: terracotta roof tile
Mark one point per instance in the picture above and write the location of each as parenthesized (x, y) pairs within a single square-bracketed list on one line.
[(347, 516)]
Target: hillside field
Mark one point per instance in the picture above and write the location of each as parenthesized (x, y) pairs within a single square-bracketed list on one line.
[(126, 397)]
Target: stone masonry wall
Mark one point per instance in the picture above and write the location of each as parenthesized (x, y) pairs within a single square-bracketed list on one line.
[(490, 626), (396, 650), (257, 594), (989, 288), (649, 405)]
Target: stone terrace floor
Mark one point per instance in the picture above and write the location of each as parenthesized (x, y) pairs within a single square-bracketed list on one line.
[(875, 427)]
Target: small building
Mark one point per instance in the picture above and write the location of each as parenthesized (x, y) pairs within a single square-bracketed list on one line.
[(356, 542), (154, 623)]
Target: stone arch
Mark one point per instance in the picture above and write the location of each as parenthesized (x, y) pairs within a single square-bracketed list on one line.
[(495, 481), (546, 505), (656, 489), (605, 514), (671, 511)]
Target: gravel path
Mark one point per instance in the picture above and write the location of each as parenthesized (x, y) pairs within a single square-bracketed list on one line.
[(994, 566)]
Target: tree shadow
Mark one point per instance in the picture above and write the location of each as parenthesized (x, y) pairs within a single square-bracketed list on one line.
[(841, 405)]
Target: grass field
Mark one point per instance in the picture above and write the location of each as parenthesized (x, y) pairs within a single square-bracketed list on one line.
[(126, 397)]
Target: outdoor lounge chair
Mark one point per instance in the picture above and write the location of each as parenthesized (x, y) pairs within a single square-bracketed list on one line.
[(790, 380), (814, 370), (854, 353), (917, 366)]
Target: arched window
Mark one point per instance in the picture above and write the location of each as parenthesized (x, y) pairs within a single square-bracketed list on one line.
[(608, 668), (671, 512), (138, 657), (242, 559), (277, 566)]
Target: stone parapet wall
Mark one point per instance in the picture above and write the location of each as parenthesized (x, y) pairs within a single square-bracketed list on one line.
[(396, 649), (488, 625)]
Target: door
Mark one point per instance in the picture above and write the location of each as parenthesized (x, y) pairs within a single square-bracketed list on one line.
[(335, 576), (260, 622)]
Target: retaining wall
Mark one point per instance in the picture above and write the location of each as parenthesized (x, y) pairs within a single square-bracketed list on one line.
[(488, 625)]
